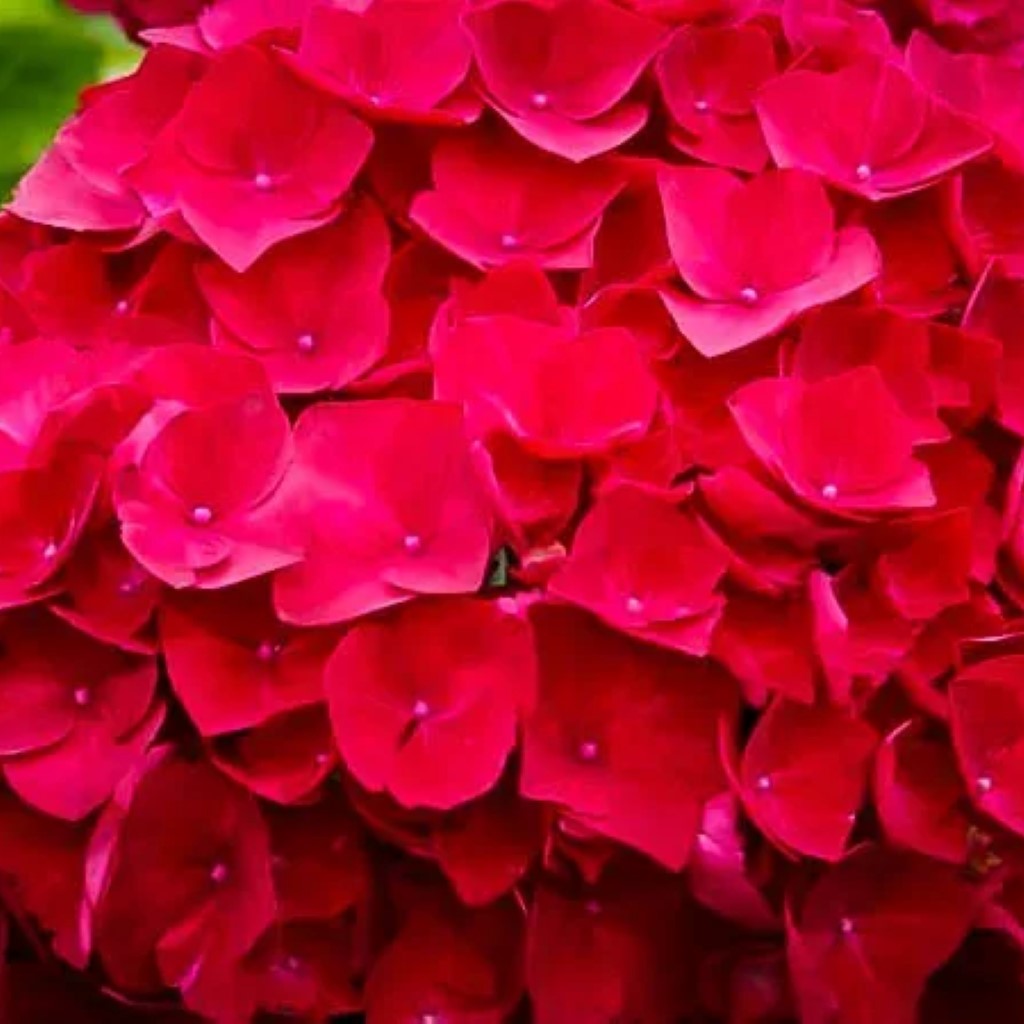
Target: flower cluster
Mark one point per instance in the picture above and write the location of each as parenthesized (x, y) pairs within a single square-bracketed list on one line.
[(510, 511)]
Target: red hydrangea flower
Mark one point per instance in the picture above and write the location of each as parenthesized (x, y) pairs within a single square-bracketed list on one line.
[(801, 433), (379, 527), (212, 522), (286, 758), (252, 158), (222, 24), (447, 960), (868, 128), (987, 25), (618, 947), (42, 861), (438, 732), (872, 930), (768, 642), (565, 97), (319, 859), (709, 78), (983, 209), (58, 426), (838, 29), (647, 567), (988, 728), (75, 716), (1012, 554), (920, 794), (744, 287), (232, 664), (919, 262), (994, 310), (507, 366), (393, 59), (107, 594), (803, 774), (75, 294), (986, 89), (312, 311), (608, 736), (496, 199), (722, 874), (486, 847), (180, 887), (531, 407), (929, 368)]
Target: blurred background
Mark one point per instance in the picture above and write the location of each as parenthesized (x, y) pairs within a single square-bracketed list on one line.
[(48, 54)]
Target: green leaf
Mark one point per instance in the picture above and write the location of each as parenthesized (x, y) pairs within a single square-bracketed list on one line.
[(28, 10), (119, 55), (497, 571), (48, 55), (42, 69)]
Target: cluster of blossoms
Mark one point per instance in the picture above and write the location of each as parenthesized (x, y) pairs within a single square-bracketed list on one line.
[(510, 511)]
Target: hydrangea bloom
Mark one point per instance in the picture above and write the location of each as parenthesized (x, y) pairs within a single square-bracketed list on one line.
[(512, 512)]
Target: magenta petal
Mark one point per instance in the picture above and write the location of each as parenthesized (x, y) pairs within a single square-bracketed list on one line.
[(717, 328)]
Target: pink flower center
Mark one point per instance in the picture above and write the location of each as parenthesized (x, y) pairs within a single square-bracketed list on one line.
[(412, 543), (305, 343), (701, 106), (121, 307), (540, 101), (846, 926), (762, 783), (202, 515), (634, 605), (862, 172), (830, 492), (420, 710), (82, 696), (985, 784), (268, 650), (219, 873), (588, 751), (50, 550), (288, 964), (509, 241), (749, 296), (264, 182)]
